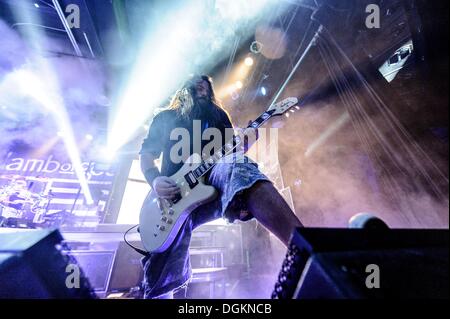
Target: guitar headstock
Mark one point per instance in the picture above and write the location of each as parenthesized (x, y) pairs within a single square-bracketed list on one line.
[(283, 106)]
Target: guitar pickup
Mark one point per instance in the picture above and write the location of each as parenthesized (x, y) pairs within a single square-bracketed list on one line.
[(190, 179)]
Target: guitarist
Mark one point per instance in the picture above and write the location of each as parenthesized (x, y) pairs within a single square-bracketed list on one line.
[(244, 192)]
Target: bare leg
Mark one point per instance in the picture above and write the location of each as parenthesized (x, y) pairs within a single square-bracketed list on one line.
[(271, 210)]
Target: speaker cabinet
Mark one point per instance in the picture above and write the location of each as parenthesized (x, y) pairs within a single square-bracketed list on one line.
[(364, 264), (97, 267), (127, 271), (33, 264)]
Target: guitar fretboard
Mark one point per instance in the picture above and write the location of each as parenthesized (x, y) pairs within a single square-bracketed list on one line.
[(233, 143)]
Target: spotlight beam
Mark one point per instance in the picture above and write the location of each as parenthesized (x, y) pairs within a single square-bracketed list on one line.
[(340, 122), (49, 97), (164, 55), (197, 37), (46, 91)]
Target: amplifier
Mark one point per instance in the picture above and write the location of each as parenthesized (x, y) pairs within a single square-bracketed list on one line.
[(97, 266), (33, 264), (364, 263), (127, 271)]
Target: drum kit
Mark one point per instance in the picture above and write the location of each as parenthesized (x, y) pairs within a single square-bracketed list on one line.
[(18, 201)]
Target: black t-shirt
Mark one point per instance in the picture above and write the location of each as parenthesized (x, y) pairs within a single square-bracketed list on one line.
[(158, 139)]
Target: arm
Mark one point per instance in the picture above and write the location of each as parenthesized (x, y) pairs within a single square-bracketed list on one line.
[(150, 151), (147, 161), (148, 167), (163, 185)]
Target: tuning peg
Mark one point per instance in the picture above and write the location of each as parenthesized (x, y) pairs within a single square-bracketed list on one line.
[(292, 111), (297, 107), (287, 114)]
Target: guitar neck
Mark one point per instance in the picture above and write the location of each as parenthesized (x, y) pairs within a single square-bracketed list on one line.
[(231, 145)]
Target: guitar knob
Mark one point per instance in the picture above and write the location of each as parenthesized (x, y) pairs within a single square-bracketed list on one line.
[(162, 228), (164, 218), (169, 221), (171, 211)]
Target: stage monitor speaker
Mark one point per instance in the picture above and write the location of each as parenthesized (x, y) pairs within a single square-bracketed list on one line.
[(97, 266), (364, 264), (33, 264), (127, 271)]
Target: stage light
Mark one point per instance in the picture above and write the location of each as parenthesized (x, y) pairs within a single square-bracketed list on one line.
[(274, 41), (240, 72), (165, 53), (86, 144), (255, 47), (248, 61), (107, 154), (263, 91), (235, 95), (239, 84), (197, 38), (36, 5), (241, 9)]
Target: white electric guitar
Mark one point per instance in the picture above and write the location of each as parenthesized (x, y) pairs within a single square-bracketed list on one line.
[(160, 220)]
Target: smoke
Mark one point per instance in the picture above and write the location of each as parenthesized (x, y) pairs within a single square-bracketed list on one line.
[(24, 120), (13, 50), (336, 168), (335, 181), (343, 176)]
